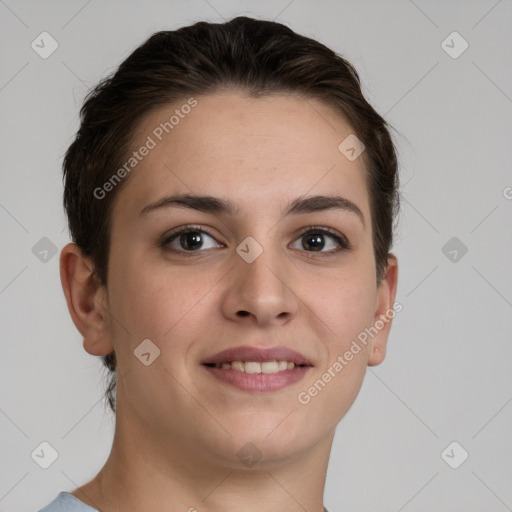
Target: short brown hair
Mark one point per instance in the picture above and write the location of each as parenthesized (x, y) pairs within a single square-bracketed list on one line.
[(256, 56)]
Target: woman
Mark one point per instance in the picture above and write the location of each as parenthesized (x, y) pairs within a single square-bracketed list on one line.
[(231, 197)]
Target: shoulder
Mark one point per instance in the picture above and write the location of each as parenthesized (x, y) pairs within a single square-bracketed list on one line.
[(66, 502)]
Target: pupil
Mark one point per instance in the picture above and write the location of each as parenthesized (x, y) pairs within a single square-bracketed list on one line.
[(315, 241), (191, 240)]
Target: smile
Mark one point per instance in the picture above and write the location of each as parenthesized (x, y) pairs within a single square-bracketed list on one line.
[(254, 376)]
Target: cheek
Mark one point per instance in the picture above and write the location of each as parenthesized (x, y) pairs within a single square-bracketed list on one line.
[(347, 307), (346, 303), (348, 310), (158, 302)]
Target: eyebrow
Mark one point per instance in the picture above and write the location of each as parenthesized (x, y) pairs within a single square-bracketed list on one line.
[(210, 204)]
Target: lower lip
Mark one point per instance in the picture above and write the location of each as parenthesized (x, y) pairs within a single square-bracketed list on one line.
[(259, 382)]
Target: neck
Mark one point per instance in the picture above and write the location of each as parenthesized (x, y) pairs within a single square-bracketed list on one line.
[(147, 472)]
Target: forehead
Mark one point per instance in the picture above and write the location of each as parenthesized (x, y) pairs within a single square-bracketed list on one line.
[(252, 150)]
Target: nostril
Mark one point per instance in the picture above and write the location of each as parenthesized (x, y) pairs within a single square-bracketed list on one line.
[(243, 313)]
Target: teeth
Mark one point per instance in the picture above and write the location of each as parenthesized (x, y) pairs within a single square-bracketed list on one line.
[(238, 365), (252, 367), (257, 367)]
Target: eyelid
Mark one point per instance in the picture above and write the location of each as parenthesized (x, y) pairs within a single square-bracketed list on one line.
[(188, 227)]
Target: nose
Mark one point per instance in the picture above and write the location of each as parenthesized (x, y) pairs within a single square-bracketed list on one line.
[(260, 292)]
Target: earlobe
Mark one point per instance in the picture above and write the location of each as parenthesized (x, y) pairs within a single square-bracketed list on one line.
[(384, 313), (86, 300)]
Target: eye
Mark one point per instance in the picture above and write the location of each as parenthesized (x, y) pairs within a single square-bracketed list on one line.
[(314, 238), (189, 239)]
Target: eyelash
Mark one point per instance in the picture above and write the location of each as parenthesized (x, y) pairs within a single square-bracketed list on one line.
[(343, 242)]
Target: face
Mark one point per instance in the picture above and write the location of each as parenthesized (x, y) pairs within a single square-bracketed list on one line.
[(309, 289)]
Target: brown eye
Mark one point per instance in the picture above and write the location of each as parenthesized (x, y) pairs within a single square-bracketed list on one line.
[(189, 239), (318, 239)]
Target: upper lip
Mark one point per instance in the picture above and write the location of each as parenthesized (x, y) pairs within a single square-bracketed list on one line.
[(248, 353)]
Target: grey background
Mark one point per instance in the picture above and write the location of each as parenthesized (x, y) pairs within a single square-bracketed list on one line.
[(447, 376)]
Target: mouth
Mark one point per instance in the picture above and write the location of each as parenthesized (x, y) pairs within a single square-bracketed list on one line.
[(257, 370)]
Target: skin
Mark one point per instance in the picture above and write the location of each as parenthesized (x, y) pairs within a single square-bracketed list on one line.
[(178, 429)]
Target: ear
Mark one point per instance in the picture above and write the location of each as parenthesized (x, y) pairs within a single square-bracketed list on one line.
[(384, 312), (86, 299)]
